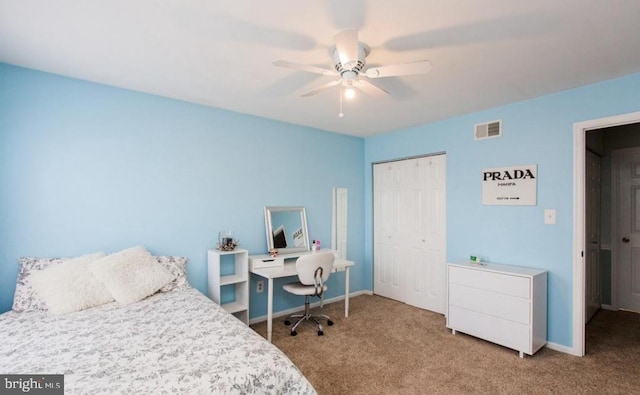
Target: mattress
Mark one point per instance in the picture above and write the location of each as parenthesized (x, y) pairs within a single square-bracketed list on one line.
[(174, 342)]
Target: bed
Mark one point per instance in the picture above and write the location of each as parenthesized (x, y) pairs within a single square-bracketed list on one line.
[(177, 341)]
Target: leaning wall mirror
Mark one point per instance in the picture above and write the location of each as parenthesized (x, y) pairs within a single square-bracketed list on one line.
[(286, 229)]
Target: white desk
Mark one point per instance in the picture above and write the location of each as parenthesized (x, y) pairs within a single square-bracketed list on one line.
[(289, 270)]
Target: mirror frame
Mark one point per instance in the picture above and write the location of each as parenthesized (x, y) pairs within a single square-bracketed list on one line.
[(268, 210)]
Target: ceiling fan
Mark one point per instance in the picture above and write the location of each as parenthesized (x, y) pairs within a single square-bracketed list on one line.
[(349, 61)]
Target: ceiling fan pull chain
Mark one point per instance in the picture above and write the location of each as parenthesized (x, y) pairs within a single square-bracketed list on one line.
[(341, 114)]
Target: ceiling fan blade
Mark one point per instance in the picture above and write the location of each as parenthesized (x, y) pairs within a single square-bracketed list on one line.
[(304, 67), (418, 67), (321, 88), (347, 47), (370, 89)]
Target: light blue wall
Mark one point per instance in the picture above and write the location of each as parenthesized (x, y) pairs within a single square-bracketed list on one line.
[(538, 131), (86, 167)]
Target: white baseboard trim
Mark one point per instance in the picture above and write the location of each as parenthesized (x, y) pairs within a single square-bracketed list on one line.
[(561, 348), (285, 313), (608, 307)]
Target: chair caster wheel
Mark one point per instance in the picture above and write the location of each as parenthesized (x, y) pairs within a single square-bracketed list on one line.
[(329, 322), (287, 322), (293, 333), (320, 333)]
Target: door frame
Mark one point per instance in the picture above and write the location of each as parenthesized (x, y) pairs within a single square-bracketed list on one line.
[(579, 229)]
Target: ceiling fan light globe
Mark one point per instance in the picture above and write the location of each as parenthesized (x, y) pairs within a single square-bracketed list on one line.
[(349, 93)]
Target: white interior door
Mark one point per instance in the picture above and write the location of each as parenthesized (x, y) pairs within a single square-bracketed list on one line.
[(592, 224), (387, 238), (425, 224), (627, 243), (410, 231)]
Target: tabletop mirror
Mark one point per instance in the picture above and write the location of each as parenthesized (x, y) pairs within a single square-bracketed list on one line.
[(286, 229)]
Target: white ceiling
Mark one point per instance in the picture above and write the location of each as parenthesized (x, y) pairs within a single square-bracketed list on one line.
[(220, 53)]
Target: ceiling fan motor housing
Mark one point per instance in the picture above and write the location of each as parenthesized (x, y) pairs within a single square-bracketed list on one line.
[(356, 65)]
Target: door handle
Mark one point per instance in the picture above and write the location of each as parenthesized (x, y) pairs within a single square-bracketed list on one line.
[(625, 239)]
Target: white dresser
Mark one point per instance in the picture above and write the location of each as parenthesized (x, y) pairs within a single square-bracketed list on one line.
[(503, 304)]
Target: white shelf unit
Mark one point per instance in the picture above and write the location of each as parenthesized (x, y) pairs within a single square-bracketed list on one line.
[(238, 279), (503, 304)]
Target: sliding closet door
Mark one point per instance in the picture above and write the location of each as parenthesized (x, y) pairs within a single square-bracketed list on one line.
[(409, 231)]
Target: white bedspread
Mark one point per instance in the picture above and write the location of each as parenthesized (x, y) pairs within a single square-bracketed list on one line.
[(175, 342)]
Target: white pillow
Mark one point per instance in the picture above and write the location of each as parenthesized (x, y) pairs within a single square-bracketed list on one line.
[(131, 275), (26, 298), (70, 286), (178, 266)]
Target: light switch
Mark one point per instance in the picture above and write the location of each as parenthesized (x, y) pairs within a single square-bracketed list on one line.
[(550, 216)]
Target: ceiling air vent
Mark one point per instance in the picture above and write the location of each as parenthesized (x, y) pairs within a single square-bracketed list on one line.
[(488, 130)]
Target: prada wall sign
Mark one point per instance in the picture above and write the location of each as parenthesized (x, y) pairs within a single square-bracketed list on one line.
[(510, 186)]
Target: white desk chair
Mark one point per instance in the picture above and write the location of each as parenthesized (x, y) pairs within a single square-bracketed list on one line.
[(313, 271)]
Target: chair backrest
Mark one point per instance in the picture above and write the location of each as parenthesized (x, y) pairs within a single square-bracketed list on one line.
[(306, 266)]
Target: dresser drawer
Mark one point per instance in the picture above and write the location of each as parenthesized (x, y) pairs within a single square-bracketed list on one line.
[(506, 284), (496, 330), (496, 305)]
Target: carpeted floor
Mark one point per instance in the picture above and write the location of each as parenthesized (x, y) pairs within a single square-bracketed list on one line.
[(388, 347)]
